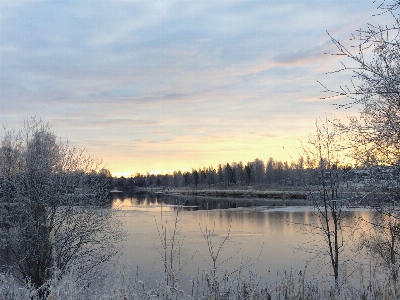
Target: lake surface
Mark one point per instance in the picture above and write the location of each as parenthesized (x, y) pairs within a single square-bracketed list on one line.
[(261, 240)]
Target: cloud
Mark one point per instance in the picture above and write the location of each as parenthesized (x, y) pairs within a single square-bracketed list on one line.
[(91, 123), (147, 78), (300, 56)]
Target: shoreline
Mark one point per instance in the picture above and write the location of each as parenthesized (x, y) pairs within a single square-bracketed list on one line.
[(274, 200), (246, 192)]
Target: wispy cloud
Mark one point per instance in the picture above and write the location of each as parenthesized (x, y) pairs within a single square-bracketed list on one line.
[(176, 81), (89, 123)]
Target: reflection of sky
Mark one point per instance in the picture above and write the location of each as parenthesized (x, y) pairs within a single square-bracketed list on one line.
[(270, 241), (162, 85)]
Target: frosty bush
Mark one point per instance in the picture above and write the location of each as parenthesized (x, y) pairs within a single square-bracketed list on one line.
[(52, 214)]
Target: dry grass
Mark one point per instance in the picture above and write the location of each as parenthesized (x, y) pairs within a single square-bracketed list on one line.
[(289, 286)]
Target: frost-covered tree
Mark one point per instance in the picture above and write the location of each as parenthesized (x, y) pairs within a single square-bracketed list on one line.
[(52, 208), (327, 189), (371, 58)]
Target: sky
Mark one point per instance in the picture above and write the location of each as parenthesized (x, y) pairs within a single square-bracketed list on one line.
[(157, 86)]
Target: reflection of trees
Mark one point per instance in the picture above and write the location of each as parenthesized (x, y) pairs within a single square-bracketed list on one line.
[(242, 219), (279, 219), (203, 203)]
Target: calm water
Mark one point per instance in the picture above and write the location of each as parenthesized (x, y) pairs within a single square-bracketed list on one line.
[(262, 240)]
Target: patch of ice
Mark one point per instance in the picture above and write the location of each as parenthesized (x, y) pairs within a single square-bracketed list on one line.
[(290, 209), (311, 209)]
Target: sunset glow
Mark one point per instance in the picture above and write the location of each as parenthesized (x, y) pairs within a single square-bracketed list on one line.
[(158, 86)]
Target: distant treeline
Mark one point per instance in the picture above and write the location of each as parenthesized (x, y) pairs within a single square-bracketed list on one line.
[(257, 172)]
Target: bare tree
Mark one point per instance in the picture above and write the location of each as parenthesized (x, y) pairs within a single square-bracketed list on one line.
[(326, 186), (372, 59), (52, 213)]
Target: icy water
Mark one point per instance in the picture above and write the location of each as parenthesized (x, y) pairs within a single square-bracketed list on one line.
[(265, 241)]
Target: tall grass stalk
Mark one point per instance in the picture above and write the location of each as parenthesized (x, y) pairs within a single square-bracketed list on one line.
[(289, 285)]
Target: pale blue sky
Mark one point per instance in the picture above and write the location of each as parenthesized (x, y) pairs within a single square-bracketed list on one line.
[(165, 85)]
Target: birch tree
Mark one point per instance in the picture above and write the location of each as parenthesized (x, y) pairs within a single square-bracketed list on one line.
[(327, 189), (371, 58)]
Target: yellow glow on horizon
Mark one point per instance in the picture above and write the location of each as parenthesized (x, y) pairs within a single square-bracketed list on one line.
[(204, 156), (187, 152), (120, 174)]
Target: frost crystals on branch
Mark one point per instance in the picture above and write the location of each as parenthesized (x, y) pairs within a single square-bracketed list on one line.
[(52, 214)]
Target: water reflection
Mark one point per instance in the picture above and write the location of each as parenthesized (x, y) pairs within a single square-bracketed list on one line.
[(151, 200), (268, 240)]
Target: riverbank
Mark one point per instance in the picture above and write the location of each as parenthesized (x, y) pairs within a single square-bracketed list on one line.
[(245, 192)]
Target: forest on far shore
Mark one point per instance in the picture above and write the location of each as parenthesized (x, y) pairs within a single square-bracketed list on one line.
[(272, 174)]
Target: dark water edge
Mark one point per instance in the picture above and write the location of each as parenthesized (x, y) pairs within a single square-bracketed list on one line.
[(190, 202)]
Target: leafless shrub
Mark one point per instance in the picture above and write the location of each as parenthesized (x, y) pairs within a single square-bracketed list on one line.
[(52, 209)]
